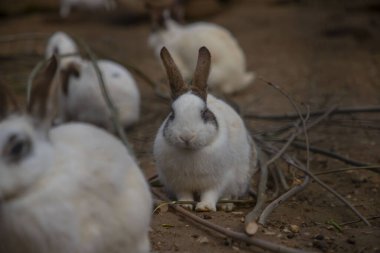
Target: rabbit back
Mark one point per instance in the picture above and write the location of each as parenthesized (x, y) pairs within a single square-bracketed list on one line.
[(94, 199), (85, 101), (228, 69)]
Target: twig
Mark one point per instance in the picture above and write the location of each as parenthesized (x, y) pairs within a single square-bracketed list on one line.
[(282, 179), (229, 233), (292, 116), (347, 169), (359, 220), (335, 156), (276, 181), (107, 98), (31, 78), (269, 209), (299, 166), (261, 196)]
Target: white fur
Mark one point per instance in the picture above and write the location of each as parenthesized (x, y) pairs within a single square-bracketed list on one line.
[(62, 44), (67, 5), (85, 101), (77, 191), (218, 162), (228, 69)]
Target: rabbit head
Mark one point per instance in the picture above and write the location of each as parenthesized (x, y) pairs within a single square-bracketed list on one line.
[(163, 11), (25, 151), (191, 124)]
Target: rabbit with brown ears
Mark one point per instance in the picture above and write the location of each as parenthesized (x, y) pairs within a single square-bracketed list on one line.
[(69, 189), (203, 147)]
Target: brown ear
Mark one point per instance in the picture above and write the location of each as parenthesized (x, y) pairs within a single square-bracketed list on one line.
[(177, 84), (72, 69), (8, 101), (39, 106), (199, 83)]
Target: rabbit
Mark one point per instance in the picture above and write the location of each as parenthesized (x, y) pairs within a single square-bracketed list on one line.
[(68, 189), (67, 5), (202, 147), (61, 43), (81, 96), (228, 72), (84, 100)]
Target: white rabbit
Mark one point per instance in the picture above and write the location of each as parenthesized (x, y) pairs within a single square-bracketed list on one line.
[(70, 189), (67, 5), (82, 99), (62, 44), (228, 72), (203, 146)]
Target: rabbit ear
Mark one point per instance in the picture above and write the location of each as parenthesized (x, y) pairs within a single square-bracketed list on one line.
[(177, 84), (199, 83), (72, 69), (8, 101), (41, 105)]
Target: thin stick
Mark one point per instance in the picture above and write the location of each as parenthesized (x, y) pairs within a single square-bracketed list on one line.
[(269, 209), (107, 98), (221, 201), (282, 179), (261, 196), (276, 181), (347, 169), (359, 220), (31, 78), (330, 154), (299, 166), (292, 116), (229, 233)]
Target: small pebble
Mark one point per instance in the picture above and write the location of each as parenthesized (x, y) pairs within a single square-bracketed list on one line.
[(294, 228), (322, 245), (234, 248), (207, 217), (203, 240), (319, 237), (290, 235), (228, 241)]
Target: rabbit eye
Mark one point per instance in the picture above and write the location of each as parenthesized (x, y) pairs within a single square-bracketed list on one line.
[(208, 117), (17, 148)]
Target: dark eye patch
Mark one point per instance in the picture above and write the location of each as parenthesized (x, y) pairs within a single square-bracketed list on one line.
[(209, 117), (17, 148), (171, 116)]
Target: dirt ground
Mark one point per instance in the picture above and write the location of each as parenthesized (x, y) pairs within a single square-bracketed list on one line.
[(322, 52)]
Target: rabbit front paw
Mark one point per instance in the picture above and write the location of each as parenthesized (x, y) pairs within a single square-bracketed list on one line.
[(205, 207)]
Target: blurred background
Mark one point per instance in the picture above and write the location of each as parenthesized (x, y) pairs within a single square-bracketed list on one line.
[(323, 52)]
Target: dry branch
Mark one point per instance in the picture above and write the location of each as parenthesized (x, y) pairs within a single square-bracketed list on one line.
[(292, 116), (302, 168), (229, 233)]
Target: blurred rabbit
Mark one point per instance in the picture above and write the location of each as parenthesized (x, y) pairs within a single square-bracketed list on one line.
[(73, 188), (81, 96), (228, 69), (67, 5), (203, 147), (62, 44)]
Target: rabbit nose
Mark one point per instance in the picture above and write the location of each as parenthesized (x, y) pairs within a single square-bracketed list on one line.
[(187, 138)]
